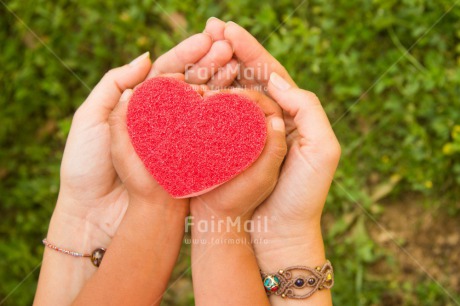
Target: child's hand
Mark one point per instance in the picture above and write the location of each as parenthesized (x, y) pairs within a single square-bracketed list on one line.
[(227, 247), (139, 183), (153, 225), (241, 195)]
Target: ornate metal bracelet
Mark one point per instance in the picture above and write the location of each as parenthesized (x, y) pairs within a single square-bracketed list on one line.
[(286, 282), (96, 256)]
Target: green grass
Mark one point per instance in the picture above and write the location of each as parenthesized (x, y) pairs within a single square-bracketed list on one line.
[(387, 72)]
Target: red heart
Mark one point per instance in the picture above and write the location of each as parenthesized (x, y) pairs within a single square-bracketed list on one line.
[(191, 145)]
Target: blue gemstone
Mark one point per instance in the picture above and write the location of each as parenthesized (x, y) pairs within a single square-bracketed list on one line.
[(299, 282)]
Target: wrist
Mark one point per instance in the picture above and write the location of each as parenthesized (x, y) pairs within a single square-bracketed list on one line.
[(219, 229), (68, 272), (147, 222), (75, 233), (203, 211), (300, 250), (276, 227), (159, 222), (97, 218), (280, 250), (163, 205)]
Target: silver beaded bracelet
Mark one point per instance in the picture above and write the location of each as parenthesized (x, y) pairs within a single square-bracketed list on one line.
[(96, 256)]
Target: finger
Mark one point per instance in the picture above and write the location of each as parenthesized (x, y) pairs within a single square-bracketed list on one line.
[(225, 76), (253, 55), (104, 97), (215, 27), (309, 117), (219, 55), (178, 76), (185, 54), (267, 105), (200, 89)]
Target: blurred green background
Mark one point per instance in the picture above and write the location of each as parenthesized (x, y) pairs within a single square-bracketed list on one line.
[(387, 71)]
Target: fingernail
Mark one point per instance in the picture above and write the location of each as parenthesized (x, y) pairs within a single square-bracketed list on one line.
[(277, 124), (126, 95), (211, 18), (279, 82), (139, 59)]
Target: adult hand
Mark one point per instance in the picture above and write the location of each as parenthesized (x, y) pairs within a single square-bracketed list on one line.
[(296, 204), (90, 187), (292, 213), (254, 62), (92, 198), (313, 150)]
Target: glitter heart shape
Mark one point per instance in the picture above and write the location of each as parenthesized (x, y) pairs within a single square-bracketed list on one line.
[(191, 144)]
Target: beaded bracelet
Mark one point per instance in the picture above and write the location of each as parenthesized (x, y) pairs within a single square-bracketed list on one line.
[(96, 256), (283, 283)]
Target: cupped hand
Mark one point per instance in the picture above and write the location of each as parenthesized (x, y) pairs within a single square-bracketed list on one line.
[(294, 208), (91, 191), (296, 203), (140, 185), (241, 195), (255, 63)]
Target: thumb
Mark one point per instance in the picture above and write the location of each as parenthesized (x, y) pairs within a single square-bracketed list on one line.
[(105, 96), (275, 147), (266, 168)]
